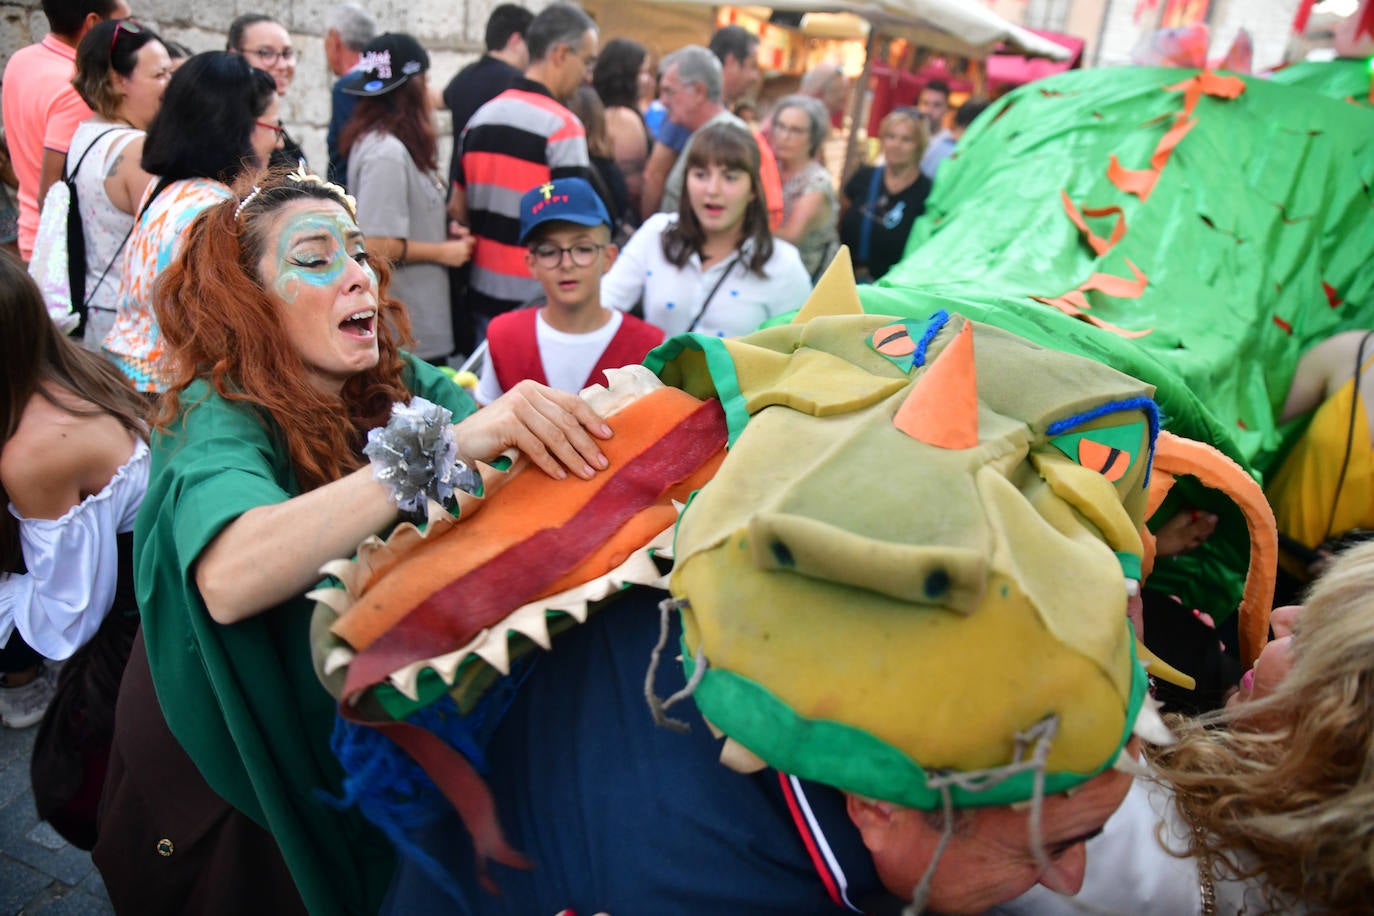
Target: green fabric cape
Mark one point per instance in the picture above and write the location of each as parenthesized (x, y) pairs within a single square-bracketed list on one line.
[(243, 700)]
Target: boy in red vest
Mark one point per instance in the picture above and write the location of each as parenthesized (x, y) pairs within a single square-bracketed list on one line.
[(569, 341)]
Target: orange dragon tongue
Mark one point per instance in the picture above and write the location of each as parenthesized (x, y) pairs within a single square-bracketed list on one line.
[(649, 459)]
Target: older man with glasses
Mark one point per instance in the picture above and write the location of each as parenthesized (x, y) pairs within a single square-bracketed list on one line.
[(267, 45)]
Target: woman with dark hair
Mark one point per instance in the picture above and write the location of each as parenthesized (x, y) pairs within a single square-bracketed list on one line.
[(286, 348), (122, 70), (218, 118), (266, 44), (73, 470), (620, 69), (402, 201), (810, 208), (609, 181), (714, 266)]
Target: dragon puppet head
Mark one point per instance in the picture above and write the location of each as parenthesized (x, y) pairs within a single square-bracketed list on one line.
[(907, 576)]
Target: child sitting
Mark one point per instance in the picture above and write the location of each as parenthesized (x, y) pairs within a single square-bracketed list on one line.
[(569, 341)]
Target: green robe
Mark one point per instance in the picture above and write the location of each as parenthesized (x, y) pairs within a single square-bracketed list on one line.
[(243, 699)]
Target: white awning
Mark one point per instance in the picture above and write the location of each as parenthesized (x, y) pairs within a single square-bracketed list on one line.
[(961, 27)]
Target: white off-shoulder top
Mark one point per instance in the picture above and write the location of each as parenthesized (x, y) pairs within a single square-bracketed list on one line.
[(73, 565)]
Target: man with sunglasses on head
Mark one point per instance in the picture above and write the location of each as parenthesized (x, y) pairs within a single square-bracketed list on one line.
[(571, 339), (42, 109), (267, 45)]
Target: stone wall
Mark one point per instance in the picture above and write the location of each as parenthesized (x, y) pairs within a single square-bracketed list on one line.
[(451, 31)]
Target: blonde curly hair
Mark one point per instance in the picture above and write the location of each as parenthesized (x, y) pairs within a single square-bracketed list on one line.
[(1281, 789)]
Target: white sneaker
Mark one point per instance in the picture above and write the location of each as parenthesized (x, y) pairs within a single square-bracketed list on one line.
[(21, 707)]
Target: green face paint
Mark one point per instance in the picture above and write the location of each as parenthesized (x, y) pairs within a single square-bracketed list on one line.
[(314, 249)]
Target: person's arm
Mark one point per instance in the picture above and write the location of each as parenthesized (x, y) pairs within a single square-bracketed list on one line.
[(1318, 370), (379, 185), (789, 282), (809, 211), (655, 176), (50, 172), (125, 180), (450, 252), (458, 203), (274, 552), (622, 286)]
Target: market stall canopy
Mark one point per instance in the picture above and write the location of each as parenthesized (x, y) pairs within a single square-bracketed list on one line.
[(953, 26), (1008, 70)]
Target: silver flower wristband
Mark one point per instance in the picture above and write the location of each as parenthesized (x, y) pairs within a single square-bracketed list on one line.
[(415, 456)]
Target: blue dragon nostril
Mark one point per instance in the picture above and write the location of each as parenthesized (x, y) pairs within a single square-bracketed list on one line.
[(937, 583)]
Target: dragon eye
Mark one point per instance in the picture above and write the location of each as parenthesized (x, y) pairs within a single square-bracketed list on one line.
[(1110, 450)]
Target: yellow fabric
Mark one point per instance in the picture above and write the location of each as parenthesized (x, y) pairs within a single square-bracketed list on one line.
[(1303, 489), (832, 551)]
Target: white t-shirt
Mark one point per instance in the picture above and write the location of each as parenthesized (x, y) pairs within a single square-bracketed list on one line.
[(567, 358), (674, 295), (1129, 871)]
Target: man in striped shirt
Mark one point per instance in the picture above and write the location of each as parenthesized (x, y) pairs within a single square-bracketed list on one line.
[(521, 139)]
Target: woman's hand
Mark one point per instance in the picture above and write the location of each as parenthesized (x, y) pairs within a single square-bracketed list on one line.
[(454, 252), (553, 428)]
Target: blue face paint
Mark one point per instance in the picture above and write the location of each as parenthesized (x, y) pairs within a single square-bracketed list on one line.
[(314, 249)]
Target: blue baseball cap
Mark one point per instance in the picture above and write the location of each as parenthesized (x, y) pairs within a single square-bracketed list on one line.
[(568, 200)]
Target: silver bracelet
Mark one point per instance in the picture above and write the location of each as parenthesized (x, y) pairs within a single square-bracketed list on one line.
[(415, 456)]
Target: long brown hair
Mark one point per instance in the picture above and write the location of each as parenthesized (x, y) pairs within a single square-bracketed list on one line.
[(404, 114), (222, 325), (1281, 789), (37, 360), (729, 146)]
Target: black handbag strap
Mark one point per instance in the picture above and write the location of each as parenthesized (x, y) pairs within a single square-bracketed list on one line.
[(70, 175), (76, 237), (712, 294)]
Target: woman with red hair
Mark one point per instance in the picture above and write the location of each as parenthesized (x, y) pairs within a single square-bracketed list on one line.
[(286, 348)]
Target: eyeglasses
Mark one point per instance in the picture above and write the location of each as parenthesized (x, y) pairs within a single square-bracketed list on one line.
[(549, 256), (269, 56), (127, 25), (789, 131), (275, 128)]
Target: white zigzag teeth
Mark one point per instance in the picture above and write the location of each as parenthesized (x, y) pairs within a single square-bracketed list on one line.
[(491, 645), (336, 598), (1149, 725), (346, 571), (1127, 763), (337, 658), (739, 758)]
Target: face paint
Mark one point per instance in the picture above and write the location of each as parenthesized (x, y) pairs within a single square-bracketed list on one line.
[(323, 289), (314, 249)]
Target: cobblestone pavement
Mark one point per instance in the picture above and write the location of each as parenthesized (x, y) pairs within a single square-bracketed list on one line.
[(39, 871)]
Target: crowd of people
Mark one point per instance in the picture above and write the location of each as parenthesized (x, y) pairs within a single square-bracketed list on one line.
[(200, 426)]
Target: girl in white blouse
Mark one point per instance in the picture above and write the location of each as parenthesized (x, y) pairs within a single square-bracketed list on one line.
[(713, 267), (73, 470)]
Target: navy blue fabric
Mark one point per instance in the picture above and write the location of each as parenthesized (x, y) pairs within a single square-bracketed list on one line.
[(341, 109), (620, 815)]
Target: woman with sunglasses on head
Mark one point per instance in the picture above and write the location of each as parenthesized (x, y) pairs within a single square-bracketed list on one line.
[(288, 365), (402, 201), (714, 266), (881, 202), (267, 45), (122, 70), (218, 118)]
